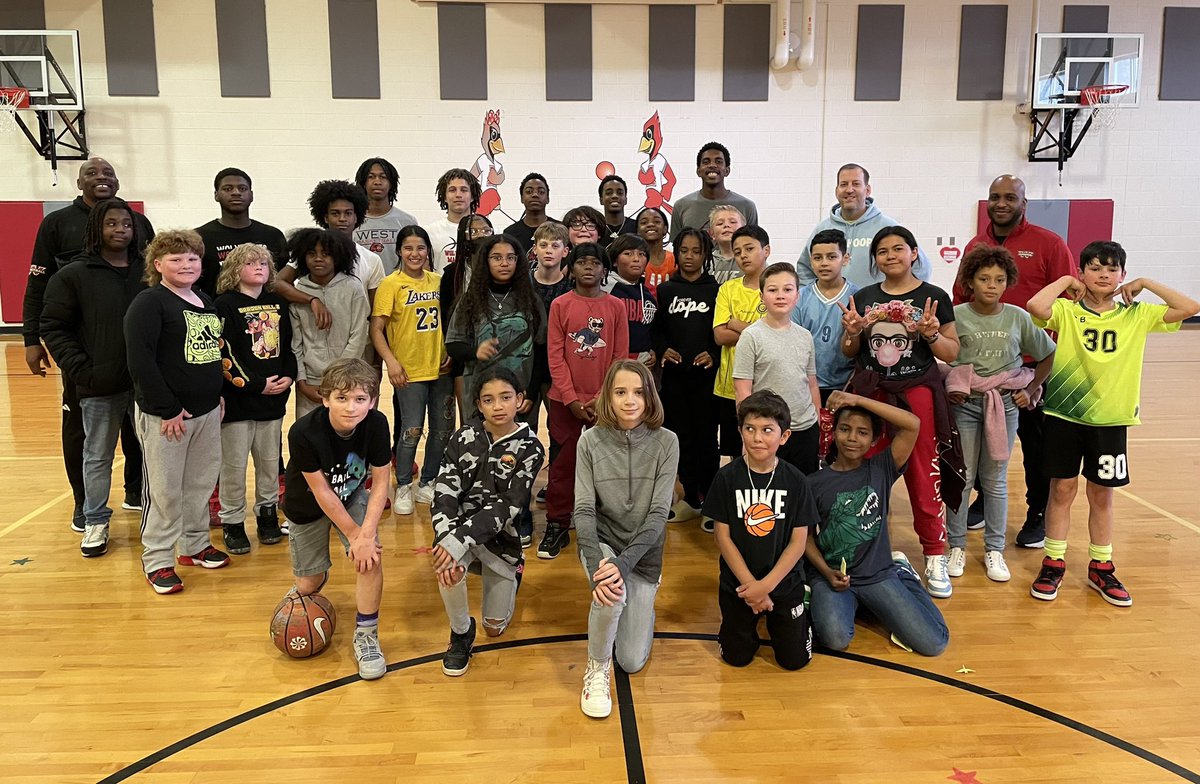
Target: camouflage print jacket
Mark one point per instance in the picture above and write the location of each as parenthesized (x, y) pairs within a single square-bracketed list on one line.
[(481, 489)]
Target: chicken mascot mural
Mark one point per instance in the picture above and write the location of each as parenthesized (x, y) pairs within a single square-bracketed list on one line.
[(487, 169)]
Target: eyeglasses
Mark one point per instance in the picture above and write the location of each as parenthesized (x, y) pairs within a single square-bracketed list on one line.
[(480, 231), (581, 224)]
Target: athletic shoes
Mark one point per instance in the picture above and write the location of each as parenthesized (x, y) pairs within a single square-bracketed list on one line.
[(1102, 576), (164, 581), (425, 493), (371, 664), (596, 699), (1033, 534), (956, 562), (210, 558), (708, 525), (132, 502), (682, 511), (95, 541), (234, 536), (997, 569), (937, 581), (553, 541), (975, 513), (402, 504), (457, 658), (540, 498), (268, 525), (1045, 587), (78, 525), (903, 564)]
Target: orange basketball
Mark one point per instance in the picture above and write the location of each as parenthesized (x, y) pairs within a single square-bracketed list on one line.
[(303, 625), (760, 519)]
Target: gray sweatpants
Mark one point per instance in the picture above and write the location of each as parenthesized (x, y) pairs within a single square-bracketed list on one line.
[(179, 478), (627, 627), (239, 440), (499, 579)]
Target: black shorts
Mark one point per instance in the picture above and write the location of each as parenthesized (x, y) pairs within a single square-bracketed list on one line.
[(730, 436), (1101, 451), (801, 449), (788, 624)]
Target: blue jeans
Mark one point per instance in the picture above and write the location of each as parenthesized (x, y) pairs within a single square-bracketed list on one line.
[(899, 602), (419, 397), (102, 418), (626, 628), (993, 474)]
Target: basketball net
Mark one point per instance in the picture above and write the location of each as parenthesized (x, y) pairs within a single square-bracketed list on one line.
[(1105, 102), (11, 99)]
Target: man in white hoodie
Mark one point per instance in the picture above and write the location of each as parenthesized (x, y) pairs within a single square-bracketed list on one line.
[(856, 216)]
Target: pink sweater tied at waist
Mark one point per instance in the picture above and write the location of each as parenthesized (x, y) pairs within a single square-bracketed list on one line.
[(964, 379)]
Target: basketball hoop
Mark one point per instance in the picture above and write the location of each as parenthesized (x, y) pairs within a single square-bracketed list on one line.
[(1105, 102), (11, 99)]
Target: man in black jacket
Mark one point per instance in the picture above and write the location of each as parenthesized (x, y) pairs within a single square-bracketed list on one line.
[(82, 322), (59, 240)]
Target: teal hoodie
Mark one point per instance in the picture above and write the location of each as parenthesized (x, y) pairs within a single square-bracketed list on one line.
[(858, 239)]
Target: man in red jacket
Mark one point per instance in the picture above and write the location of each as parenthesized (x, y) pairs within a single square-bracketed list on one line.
[(1042, 257)]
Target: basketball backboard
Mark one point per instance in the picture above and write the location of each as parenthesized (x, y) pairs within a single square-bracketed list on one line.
[(1065, 63), (45, 62)]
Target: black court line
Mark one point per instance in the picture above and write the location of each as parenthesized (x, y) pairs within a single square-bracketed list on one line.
[(633, 758), (635, 769)]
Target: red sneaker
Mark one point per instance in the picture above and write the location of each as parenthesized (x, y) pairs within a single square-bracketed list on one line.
[(1102, 576), (210, 558), (164, 581), (1045, 587)]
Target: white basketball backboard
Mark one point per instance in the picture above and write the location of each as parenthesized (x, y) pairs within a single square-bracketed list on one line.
[(1065, 63), (45, 62)]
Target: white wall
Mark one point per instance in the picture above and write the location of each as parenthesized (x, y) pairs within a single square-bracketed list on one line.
[(931, 156)]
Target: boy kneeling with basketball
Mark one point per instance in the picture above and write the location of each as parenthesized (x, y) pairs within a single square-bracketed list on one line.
[(484, 483), (330, 450), (763, 510)]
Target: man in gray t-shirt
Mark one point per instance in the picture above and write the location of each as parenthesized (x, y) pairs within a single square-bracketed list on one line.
[(384, 219), (712, 167)]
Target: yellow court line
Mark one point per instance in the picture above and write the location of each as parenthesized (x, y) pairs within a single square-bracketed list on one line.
[(1153, 508), (56, 500)]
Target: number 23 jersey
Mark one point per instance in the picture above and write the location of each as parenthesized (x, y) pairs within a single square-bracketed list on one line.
[(1097, 375), (414, 329)]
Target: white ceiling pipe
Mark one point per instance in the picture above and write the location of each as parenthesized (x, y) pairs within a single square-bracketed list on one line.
[(808, 35), (783, 18)]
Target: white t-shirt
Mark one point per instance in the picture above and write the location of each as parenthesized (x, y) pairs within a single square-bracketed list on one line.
[(443, 233), (368, 268), (378, 235)]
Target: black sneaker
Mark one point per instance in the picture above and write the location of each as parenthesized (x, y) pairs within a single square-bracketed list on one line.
[(975, 513), (1033, 534), (553, 541), (540, 498), (458, 654), (268, 525), (234, 535), (133, 501), (209, 558), (78, 525), (165, 581)]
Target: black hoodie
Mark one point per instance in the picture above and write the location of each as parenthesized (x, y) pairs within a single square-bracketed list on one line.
[(684, 320)]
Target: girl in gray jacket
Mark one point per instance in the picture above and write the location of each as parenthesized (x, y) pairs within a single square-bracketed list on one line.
[(624, 479)]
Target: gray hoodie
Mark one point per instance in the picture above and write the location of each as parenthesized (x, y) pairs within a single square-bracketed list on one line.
[(623, 485), (314, 348), (858, 239)]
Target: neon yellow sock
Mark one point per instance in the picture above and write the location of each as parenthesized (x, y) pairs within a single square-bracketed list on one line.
[(1056, 548), (1100, 552)]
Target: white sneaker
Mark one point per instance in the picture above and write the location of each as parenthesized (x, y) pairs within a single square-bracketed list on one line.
[(937, 582), (956, 562), (996, 568), (425, 493), (402, 502), (596, 700), (682, 511), (371, 664), (95, 541)]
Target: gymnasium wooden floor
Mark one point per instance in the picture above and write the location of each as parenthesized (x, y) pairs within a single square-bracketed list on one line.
[(102, 680)]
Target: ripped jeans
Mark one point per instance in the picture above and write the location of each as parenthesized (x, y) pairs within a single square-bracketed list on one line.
[(415, 400)]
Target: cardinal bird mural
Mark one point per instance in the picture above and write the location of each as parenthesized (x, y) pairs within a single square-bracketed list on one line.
[(487, 169), (655, 172)]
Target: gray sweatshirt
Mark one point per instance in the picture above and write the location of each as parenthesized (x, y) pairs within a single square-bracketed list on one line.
[(314, 348), (623, 485)]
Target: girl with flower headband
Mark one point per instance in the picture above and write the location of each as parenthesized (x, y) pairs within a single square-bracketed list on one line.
[(896, 331)]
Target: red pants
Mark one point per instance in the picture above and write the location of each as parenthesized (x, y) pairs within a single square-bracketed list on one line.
[(923, 475), (565, 429)]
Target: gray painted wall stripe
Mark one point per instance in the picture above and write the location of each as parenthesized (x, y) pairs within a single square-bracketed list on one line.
[(242, 49), (880, 53), (1085, 19), (1180, 55), (23, 15), (1052, 214), (354, 48), (129, 49), (52, 206), (981, 43), (462, 51), (568, 32), (672, 53), (747, 41)]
